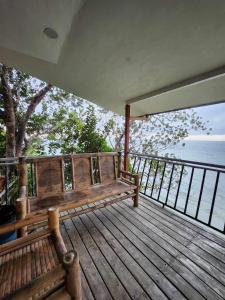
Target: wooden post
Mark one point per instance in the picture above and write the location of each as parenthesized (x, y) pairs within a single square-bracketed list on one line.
[(136, 197), (127, 137), (73, 278), (53, 225), (21, 212), (22, 168), (53, 219)]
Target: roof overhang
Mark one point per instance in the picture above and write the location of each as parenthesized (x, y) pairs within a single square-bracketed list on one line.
[(156, 55)]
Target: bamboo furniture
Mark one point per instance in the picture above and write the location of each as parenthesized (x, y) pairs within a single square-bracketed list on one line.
[(95, 176), (38, 266)]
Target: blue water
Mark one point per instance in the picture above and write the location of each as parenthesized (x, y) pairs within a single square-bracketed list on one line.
[(207, 152)]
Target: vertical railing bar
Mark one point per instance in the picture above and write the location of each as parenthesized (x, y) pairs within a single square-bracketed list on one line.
[(178, 189), (6, 184), (171, 175), (200, 194), (153, 183), (140, 159), (143, 171), (214, 197), (189, 190), (161, 183), (135, 158), (148, 176), (32, 180)]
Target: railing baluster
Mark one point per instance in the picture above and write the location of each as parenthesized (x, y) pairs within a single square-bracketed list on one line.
[(178, 189), (143, 171), (148, 176), (200, 194), (214, 197), (171, 176), (153, 183), (161, 182), (140, 159), (135, 158), (189, 190)]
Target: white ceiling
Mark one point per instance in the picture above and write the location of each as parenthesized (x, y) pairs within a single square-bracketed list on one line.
[(111, 51)]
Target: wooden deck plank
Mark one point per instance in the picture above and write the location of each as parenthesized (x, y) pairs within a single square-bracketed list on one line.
[(94, 279), (145, 252), (147, 258), (129, 273), (167, 243), (115, 287), (209, 268), (160, 248), (196, 228), (86, 291), (193, 247)]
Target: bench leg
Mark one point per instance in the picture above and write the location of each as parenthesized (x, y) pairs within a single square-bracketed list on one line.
[(136, 197)]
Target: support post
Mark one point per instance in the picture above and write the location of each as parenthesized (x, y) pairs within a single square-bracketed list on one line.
[(73, 277), (21, 212), (127, 137), (22, 168)]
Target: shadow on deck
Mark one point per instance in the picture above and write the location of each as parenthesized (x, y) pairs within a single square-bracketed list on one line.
[(145, 253)]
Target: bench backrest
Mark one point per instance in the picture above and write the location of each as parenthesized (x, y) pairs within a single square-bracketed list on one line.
[(108, 168), (87, 169), (49, 176), (82, 172)]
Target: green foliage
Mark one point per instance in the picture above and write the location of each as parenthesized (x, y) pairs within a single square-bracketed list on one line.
[(90, 139), (64, 123)]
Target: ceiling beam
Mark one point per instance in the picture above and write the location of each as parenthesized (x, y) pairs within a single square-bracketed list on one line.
[(180, 84)]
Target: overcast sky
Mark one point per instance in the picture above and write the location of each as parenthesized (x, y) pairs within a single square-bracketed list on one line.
[(216, 116)]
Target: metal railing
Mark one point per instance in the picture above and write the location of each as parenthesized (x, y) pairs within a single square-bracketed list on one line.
[(9, 180), (194, 189)]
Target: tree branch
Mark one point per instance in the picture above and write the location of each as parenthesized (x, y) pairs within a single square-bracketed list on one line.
[(35, 101)]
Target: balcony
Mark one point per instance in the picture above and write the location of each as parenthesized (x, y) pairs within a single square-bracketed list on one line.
[(147, 252)]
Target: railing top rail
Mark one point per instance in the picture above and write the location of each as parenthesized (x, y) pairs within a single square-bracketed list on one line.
[(190, 163)]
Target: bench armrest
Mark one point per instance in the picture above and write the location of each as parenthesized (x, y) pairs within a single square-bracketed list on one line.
[(129, 174)]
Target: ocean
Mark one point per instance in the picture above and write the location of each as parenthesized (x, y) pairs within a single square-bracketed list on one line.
[(199, 151), (202, 151)]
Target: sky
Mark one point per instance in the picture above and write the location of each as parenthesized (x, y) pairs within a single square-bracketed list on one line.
[(215, 114)]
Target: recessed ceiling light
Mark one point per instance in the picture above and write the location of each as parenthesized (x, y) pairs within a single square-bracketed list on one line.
[(50, 33)]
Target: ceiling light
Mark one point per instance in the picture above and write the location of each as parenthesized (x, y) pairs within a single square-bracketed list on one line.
[(50, 33)]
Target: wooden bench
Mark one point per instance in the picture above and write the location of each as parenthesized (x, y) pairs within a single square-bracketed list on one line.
[(38, 266), (94, 176)]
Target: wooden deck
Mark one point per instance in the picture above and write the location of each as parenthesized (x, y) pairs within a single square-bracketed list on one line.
[(145, 253)]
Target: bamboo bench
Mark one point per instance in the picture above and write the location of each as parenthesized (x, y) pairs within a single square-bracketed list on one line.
[(38, 266), (95, 177)]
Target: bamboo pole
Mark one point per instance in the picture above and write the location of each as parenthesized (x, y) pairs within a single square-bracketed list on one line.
[(22, 168), (53, 224), (73, 278), (21, 212)]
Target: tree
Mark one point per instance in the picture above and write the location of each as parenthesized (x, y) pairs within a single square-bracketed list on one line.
[(19, 98), (37, 118), (90, 139), (156, 134)]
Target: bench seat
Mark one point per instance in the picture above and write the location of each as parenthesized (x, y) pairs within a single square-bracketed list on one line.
[(38, 266), (89, 195)]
